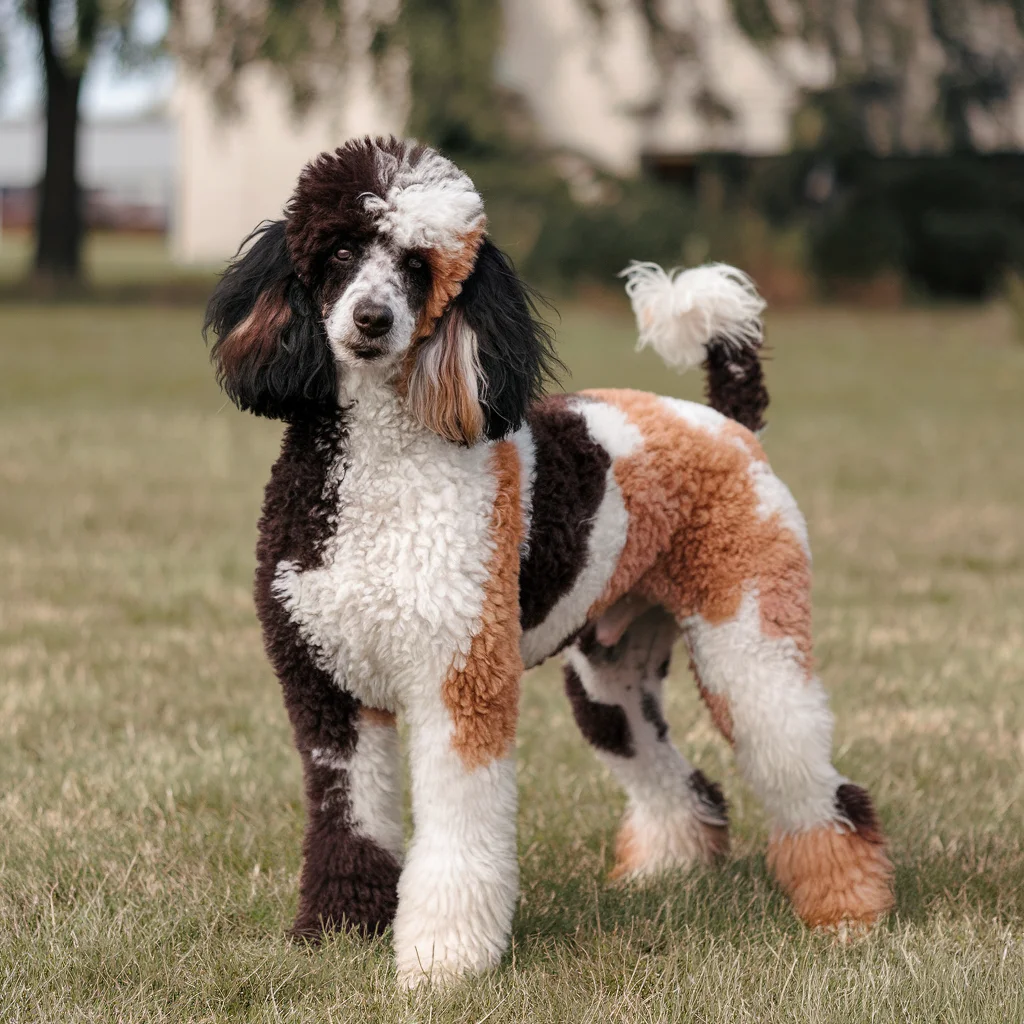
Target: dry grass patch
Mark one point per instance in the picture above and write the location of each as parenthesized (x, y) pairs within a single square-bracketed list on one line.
[(150, 811)]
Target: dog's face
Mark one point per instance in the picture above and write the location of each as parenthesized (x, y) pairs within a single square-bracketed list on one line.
[(384, 236), (380, 267)]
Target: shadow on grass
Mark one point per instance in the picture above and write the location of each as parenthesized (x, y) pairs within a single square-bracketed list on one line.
[(740, 896), (986, 881)]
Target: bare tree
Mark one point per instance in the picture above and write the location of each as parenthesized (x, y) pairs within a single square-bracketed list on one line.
[(69, 33)]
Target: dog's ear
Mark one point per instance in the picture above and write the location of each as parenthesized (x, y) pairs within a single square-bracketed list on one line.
[(487, 359), (271, 354)]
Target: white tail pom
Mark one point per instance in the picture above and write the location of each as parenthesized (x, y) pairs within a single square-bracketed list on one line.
[(680, 312)]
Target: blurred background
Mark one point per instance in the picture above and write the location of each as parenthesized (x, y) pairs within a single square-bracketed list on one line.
[(870, 152), (862, 159)]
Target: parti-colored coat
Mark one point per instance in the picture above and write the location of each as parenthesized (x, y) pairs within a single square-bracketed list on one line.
[(434, 525)]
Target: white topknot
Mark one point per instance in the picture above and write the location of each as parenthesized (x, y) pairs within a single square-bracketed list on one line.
[(679, 313), (429, 205)]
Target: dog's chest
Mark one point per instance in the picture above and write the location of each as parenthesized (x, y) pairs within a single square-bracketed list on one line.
[(399, 590)]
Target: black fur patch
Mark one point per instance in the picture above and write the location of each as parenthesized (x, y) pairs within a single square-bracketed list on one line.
[(271, 354), (345, 878), (326, 209), (735, 384), (570, 480), (710, 795), (854, 804), (604, 726), (651, 710), (516, 354)]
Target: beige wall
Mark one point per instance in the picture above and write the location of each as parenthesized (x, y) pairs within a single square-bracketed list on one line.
[(595, 86), (598, 87)]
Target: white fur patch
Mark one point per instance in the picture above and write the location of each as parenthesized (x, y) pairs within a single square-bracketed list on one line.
[(781, 721), (523, 440), (610, 427), (775, 499), (375, 787), (703, 417), (379, 280), (399, 595), (457, 894), (664, 813), (679, 312), (431, 205), (373, 784)]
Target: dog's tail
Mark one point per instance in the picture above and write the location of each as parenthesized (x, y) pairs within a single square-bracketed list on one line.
[(709, 315)]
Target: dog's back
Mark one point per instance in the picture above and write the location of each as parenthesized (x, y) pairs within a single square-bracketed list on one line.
[(619, 480)]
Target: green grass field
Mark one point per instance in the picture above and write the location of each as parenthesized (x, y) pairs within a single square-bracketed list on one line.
[(150, 800), (115, 267)]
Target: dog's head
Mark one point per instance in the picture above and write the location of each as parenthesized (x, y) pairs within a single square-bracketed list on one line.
[(381, 266)]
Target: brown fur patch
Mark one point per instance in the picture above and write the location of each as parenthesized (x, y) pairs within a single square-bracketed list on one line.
[(483, 696), (444, 398), (833, 877), (258, 332), (449, 268), (695, 539), (377, 716), (443, 401), (629, 853)]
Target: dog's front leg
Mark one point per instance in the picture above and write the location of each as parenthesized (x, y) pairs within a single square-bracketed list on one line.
[(457, 893), (352, 851)]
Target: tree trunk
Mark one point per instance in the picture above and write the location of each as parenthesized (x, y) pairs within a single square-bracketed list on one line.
[(59, 214)]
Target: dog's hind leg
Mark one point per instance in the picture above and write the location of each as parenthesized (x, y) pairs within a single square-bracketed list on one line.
[(754, 671), (675, 818)]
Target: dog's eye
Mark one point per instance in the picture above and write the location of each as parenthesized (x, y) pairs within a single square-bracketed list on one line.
[(344, 255), (414, 263)]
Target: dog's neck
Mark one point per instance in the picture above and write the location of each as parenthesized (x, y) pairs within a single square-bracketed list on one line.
[(378, 418)]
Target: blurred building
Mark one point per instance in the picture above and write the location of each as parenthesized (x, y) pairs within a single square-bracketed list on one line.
[(127, 171), (236, 170), (598, 83), (600, 88)]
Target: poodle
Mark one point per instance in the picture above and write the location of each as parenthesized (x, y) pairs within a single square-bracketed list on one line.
[(435, 525)]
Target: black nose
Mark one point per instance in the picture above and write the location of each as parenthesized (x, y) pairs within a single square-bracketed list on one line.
[(372, 318)]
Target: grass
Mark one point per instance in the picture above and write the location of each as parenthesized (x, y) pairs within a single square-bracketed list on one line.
[(150, 812), (116, 268)]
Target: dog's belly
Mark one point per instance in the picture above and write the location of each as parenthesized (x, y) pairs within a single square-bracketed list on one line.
[(400, 588)]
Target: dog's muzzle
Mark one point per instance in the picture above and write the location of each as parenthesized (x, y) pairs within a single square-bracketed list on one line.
[(373, 320)]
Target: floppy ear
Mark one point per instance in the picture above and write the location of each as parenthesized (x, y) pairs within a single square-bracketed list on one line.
[(271, 353), (487, 359)]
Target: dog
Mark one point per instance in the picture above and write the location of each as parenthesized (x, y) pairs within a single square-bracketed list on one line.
[(434, 525)]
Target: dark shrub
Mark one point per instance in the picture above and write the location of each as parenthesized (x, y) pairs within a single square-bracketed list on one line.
[(953, 226)]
